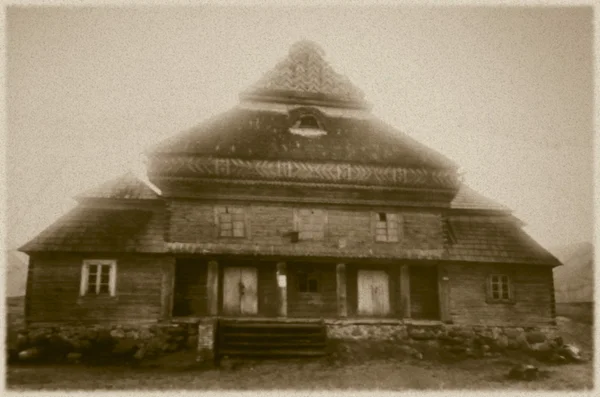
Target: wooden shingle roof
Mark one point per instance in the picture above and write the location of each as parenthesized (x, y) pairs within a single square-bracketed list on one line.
[(87, 229), (475, 238), (264, 135)]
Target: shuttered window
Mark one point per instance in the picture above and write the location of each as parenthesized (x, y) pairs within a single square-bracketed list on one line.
[(310, 224), (386, 227), (98, 277), (231, 222)]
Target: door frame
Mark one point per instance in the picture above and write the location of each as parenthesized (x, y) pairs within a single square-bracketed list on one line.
[(250, 265), (389, 287)]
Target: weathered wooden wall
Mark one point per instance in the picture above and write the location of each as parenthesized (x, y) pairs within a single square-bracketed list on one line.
[(346, 227), (532, 291), (309, 304), (54, 287)]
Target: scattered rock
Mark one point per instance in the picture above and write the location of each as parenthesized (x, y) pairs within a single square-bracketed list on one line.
[(535, 337), (541, 347), (570, 352), (523, 372), (30, 354)]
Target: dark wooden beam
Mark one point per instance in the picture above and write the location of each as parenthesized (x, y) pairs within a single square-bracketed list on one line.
[(405, 290), (167, 287), (212, 288), (444, 293), (342, 302)]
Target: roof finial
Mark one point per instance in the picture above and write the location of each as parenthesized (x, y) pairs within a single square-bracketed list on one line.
[(306, 47)]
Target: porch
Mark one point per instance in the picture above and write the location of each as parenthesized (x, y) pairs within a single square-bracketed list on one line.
[(251, 289)]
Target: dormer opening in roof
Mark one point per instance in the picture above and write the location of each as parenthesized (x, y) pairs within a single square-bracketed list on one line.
[(307, 122), (304, 77)]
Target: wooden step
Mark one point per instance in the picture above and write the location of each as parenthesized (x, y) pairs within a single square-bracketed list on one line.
[(270, 335), (270, 325), (274, 343), (270, 352)]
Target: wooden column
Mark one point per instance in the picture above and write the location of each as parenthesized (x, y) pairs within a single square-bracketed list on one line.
[(167, 287), (342, 303), (405, 290), (282, 289), (444, 293), (212, 288)]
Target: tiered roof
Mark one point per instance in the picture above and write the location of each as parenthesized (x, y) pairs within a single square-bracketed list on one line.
[(254, 140)]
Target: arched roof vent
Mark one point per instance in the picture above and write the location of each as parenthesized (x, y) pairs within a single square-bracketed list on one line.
[(307, 125)]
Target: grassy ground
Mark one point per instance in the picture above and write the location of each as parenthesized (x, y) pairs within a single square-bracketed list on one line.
[(320, 374), (384, 375)]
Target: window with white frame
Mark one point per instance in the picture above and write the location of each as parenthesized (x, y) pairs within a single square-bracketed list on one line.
[(310, 224), (386, 227), (499, 288), (231, 222), (98, 277)]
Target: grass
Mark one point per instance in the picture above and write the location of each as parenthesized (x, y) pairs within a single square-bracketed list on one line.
[(302, 375)]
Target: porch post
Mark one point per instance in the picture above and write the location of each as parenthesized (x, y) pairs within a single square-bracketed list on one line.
[(212, 288), (444, 293), (282, 289), (405, 290), (342, 303), (167, 287)]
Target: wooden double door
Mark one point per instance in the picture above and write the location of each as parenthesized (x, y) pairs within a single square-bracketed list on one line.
[(240, 291), (373, 293)]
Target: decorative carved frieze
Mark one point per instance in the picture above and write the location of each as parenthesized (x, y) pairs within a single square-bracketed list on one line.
[(356, 174)]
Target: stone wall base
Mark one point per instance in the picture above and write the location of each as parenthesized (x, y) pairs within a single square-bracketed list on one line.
[(470, 339), (103, 343)]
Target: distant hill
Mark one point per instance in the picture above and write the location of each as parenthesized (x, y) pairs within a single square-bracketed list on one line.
[(574, 281), (16, 273)]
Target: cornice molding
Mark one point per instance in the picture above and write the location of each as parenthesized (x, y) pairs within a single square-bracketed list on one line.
[(296, 171)]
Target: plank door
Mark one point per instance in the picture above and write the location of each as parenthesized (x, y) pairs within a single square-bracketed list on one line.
[(373, 293), (240, 291)]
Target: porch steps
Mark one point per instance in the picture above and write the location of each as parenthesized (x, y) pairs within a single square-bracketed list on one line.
[(270, 339)]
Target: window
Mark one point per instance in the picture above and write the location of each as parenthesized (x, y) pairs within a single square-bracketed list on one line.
[(310, 224), (499, 288), (386, 227), (98, 277), (307, 282), (305, 123), (231, 222)]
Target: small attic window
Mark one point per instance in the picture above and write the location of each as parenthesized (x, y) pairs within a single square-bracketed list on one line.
[(308, 126), (308, 122)]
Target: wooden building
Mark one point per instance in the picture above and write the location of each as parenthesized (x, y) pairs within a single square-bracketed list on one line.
[(296, 204)]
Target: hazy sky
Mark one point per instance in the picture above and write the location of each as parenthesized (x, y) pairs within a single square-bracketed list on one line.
[(507, 93)]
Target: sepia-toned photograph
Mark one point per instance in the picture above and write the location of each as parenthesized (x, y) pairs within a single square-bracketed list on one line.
[(228, 197)]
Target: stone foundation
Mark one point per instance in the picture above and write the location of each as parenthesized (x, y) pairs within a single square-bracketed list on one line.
[(457, 338), (118, 343)]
